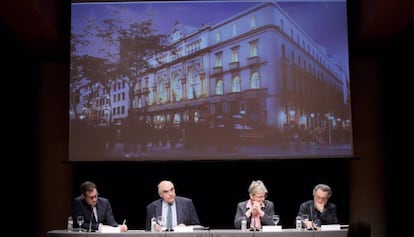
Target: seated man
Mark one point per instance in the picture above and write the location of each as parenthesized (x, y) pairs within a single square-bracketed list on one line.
[(175, 210), (96, 210), (319, 210)]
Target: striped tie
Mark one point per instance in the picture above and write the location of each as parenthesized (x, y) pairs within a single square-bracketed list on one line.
[(169, 217)]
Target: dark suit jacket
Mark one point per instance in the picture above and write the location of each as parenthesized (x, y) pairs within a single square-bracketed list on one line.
[(186, 212), (266, 219), (328, 216), (103, 209)]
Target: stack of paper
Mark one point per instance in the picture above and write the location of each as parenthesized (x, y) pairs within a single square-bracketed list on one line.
[(109, 229)]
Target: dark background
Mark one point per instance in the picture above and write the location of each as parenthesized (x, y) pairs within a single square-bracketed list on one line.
[(39, 184), (215, 186)]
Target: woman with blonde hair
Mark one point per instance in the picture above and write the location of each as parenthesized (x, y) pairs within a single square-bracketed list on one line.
[(257, 210)]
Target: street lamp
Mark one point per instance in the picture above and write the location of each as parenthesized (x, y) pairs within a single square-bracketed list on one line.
[(330, 119), (312, 120), (242, 113)]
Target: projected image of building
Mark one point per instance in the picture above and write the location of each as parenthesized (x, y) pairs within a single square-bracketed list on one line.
[(256, 73)]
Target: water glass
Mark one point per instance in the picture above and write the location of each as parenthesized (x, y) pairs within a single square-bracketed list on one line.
[(276, 219)]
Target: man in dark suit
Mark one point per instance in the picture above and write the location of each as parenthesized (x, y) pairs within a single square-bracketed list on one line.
[(183, 212), (319, 210), (95, 210)]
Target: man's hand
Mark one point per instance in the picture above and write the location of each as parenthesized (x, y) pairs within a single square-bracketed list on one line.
[(319, 206)]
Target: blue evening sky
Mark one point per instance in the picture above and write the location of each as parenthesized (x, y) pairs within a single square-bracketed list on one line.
[(324, 21)]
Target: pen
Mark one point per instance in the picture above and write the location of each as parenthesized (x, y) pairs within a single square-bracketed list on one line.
[(123, 223)]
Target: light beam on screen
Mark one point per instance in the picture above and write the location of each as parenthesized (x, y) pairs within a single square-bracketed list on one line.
[(171, 81)]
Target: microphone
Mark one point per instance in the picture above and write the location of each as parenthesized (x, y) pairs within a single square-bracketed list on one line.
[(311, 216), (311, 213), (90, 221)]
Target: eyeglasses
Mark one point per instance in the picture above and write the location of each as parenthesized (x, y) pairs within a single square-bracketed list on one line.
[(321, 199), (92, 197), (260, 196)]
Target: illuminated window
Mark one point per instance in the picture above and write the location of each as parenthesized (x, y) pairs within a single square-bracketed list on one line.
[(234, 32), (219, 87), (253, 49), (253, 22), (235, 54), (255, 81), (218, 36), (219, 60), (235, 87)]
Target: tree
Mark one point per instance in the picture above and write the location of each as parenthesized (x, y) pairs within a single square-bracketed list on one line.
[(76, 70), (124, 55)]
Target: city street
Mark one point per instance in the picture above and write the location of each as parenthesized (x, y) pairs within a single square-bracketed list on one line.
[(275, 151)]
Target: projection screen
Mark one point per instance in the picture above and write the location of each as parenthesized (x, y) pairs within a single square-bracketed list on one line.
[(209, 80)]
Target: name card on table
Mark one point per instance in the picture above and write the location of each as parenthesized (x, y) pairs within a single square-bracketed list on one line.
[(331, 227), (271, 228), (183, 229)]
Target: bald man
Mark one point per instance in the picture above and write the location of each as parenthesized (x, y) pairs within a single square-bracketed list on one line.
[(183, 212)]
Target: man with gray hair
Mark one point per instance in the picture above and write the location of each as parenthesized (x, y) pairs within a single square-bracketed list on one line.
[(319, 210), (175, 210)]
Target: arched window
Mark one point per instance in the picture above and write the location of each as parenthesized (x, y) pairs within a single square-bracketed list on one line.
[(219, 87), (193, 85), (253, 49), (235, 85), (161, 91), (176, 89), (255, 81)]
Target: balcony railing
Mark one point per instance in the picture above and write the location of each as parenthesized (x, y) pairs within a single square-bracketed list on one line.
[(253, 60), (234, 65), (217, 70)]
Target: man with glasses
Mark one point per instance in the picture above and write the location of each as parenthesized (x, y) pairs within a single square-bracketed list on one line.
[(319, 210), (96, 210), (173, 210), (257, 210)]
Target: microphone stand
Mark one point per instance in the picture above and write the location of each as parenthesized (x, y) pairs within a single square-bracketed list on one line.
[(311, 216)]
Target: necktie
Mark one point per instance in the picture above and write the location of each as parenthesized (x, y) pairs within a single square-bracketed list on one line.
[(169, 217), (95, 213)]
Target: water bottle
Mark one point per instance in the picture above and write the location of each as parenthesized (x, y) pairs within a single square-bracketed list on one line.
[(298, 223), (70, 224), (244, 224), (153, 223)]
